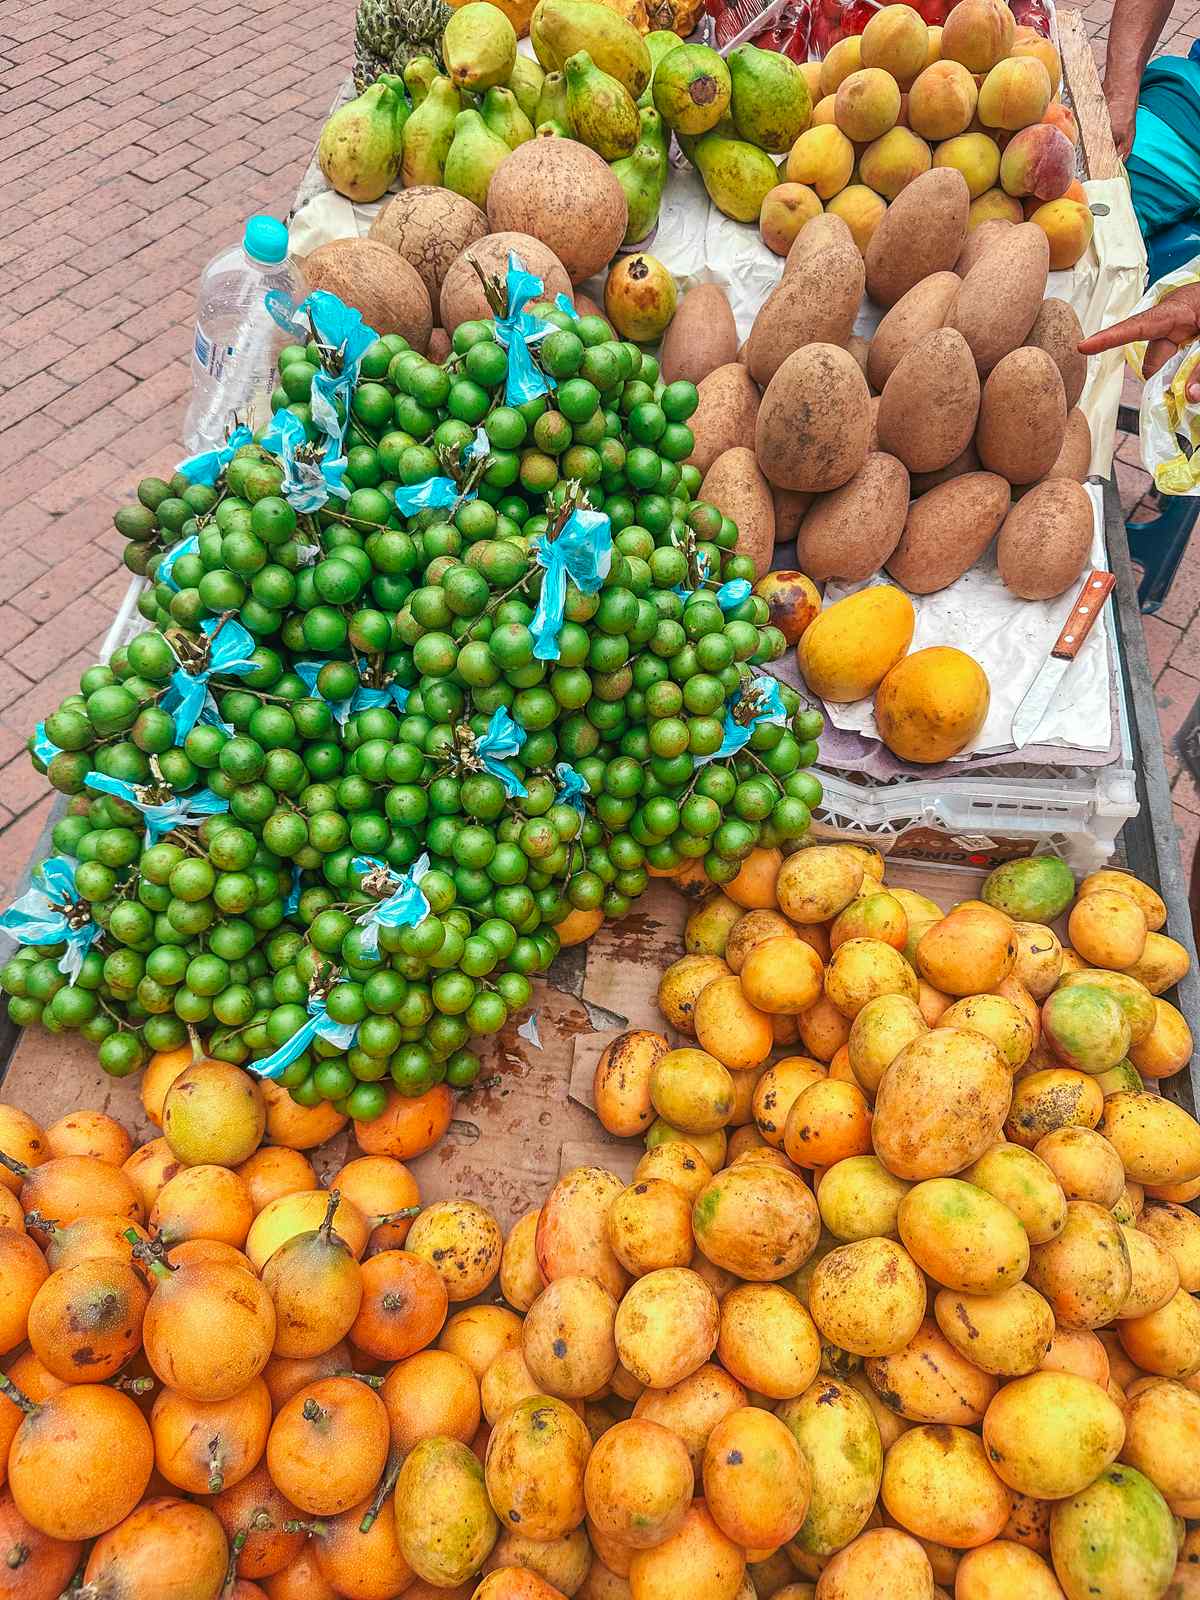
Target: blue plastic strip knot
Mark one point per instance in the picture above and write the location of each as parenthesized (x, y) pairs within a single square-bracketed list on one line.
[(737, 733), (582, 552), (319, 1025), (231, 655), (503, 739), (519, 331), (187, 811), (404, 907), (51, 913), (208, 466)]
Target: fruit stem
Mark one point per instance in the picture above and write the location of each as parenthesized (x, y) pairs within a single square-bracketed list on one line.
[(335, 1200), (386, 1484), (313, 1412), (318, 1530), (369, 1378), (395, 1216), (18, 1555), (152, 1253), (134, 1386), (236, 1545), (216, 1461), (10, 1390), (35, 1219), (19, 1167)]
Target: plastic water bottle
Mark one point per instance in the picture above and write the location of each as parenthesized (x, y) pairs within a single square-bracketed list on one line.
[(236, 340)]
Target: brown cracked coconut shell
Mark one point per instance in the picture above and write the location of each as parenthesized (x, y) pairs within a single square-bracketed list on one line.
[(379, 283), (429, 227), (463, 299), (564, 194)]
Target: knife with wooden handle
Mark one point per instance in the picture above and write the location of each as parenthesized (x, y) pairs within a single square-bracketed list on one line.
[(1097, 586)]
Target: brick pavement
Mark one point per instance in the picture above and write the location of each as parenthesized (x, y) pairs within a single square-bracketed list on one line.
[(135, 136)]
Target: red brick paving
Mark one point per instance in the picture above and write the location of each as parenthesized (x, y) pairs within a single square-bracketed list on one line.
[(134, 137)]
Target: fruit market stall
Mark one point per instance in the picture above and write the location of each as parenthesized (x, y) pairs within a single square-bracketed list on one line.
[(491, 1119)]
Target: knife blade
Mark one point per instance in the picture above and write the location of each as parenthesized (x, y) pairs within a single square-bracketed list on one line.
[(1089, 603)]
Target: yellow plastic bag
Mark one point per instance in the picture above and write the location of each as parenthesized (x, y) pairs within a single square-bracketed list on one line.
[(1169, 421)]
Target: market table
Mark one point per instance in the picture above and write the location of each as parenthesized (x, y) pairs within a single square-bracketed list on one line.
[(529, 1115)]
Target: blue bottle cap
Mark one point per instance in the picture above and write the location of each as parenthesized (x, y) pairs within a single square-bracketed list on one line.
[(265, 239)]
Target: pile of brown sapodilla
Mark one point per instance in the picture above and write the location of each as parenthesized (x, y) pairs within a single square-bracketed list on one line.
[(956, 423)]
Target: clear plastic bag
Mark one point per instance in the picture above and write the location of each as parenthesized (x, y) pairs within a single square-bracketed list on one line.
[(1169, 421)]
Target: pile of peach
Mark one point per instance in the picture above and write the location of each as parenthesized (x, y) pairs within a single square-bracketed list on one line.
[(979, 94)]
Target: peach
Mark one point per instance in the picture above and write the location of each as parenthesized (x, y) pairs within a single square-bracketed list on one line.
[(785, 210), (1029, 42), (1073, 191), (867, 104), (1063, 118), (861, 209), (1038, 161), (994, 206), (822, 158), (844, 58), (1068, 225), (941, 102), (812, 77), (934, 52), (824, 112), (891, 163), (792, 600), (975, 156), (978, 33), (1015, 93), (897, 40)]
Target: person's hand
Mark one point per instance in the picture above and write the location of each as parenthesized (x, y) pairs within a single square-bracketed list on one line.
[(1166, 328), (1122, 115)]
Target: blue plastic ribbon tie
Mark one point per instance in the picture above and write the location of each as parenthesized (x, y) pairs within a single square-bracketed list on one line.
[(292, 904), (572, 786), (364, 697), (582, 552), (733, 594), (208, 466), (503, 739), (51, 912), (319, 1025), (518, 330), (563, 303), (307, 483), (44, 748), (404, 907), (737, 734), (166, 567), (184, 812), (435, 494), (231, 653), (439, 494)]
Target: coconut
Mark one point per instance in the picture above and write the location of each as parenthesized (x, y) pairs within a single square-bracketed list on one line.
[(463, 299), (429, 227), (382, 285), (567, 196)]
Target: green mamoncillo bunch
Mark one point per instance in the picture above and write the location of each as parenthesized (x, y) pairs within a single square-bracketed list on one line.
[(238, 924)]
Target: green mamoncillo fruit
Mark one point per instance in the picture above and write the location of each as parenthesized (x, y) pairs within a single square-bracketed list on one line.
[(475, 153), (691, 88), (659, 43), (479, 47), (737, 175), (428, 134), (771, 104), (505, 118), (642, 176), (418, 75), (561, 28), (361, 144), (526, 83), (552, 101), (601, 109)]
